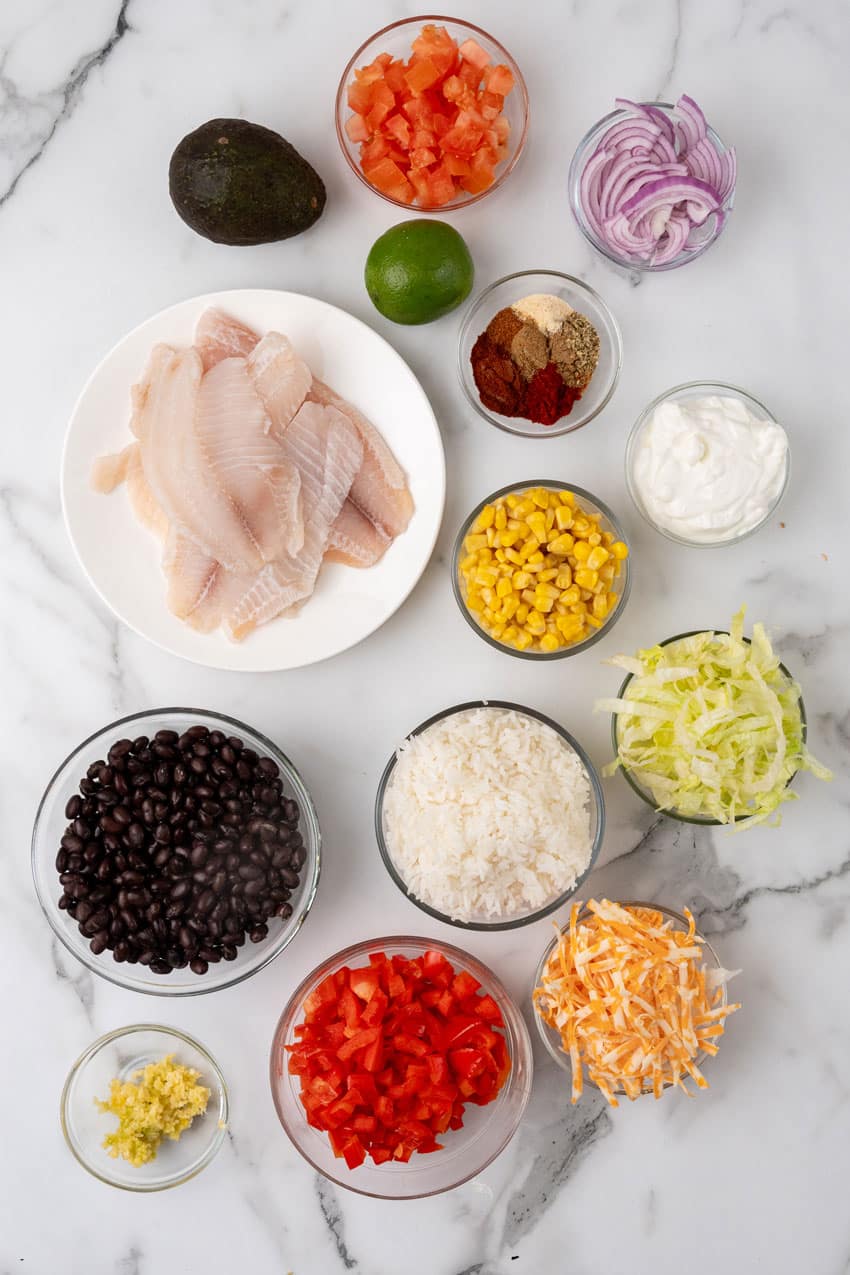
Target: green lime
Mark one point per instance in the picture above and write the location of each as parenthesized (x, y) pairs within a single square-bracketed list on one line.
[(418, 271)]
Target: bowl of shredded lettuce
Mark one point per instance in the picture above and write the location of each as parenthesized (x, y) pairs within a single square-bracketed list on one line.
[(710, 727)]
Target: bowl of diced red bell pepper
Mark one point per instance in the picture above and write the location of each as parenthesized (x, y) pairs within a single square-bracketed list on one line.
[(432, 113), (401, 1067)]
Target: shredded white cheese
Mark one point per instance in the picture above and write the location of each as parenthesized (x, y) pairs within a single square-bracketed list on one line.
[(487, 815)]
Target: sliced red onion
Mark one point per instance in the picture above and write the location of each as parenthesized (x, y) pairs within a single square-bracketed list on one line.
[(653, 180)]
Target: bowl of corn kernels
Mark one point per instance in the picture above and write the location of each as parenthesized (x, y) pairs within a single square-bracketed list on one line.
[(541, 569)]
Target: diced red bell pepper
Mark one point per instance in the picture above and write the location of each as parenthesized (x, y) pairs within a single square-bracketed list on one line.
[(367, 1036)]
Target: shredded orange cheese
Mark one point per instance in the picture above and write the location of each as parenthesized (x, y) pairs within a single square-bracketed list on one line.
[(631, 1000)]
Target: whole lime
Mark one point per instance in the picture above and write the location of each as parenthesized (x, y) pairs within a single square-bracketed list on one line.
[(418, 271)]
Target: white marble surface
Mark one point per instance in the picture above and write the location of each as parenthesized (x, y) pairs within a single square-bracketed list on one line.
[(752, 1175)]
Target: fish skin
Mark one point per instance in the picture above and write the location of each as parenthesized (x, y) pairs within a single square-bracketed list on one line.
[(232, 426), (380, 489)]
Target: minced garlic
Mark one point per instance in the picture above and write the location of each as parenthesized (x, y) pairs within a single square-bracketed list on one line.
[(158, 1101)]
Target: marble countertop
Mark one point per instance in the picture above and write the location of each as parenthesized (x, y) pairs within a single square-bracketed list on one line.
[(752, 1175)]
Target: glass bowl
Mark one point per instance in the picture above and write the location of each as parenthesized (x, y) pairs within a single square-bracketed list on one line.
[(700, 238), (550, 1038), (622, 582), (50, 824), (597, 822), (644, 793), (397, 39), (119, 1054), (486, 1130), (679, 394), (512, 288)]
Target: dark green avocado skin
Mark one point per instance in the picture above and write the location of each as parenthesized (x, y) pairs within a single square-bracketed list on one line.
[(239, 183)]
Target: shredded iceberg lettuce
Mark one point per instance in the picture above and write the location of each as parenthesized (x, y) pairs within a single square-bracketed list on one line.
[(711, 726)]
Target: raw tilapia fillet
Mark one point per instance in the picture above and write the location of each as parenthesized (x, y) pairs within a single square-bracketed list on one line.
[(251, 474)]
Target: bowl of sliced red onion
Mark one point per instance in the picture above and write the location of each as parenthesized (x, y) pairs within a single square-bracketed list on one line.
[(652, 185)]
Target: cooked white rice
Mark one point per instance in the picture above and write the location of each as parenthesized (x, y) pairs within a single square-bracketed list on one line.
[(487, 815)]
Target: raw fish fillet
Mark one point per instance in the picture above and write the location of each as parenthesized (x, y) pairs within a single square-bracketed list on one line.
[(177, 468), (328, 452), (248, 463), (282, 379), (218, 336), (200, 590), (109, 471), (380, 488), (355, 540), (142, 499)]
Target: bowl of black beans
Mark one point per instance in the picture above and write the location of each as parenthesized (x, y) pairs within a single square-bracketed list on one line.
[(176, 852)]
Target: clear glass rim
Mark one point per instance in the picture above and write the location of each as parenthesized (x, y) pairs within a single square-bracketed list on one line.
[(577, 167), (514, 923), (699, 820), (640, 424), (543, 1030), (625, 576), (516, 1029), (215, 1142), (341, 107), (87, 958), (558, 430)]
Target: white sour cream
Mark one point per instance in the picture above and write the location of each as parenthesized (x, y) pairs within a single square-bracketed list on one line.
[(707, 469)]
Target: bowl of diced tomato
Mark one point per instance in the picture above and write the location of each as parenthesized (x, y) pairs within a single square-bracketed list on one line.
[(432, 113), (401, 1067)]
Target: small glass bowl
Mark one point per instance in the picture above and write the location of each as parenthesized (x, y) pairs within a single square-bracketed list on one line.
[(597, 821), (644, 793), (679, 394), (397, 39), (700, 238), (467, 1152), (622, 582), (50, 824), (506, 292), (119, 1054), (550, 1038)]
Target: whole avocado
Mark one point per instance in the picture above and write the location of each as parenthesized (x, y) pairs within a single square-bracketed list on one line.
[(239, 183)]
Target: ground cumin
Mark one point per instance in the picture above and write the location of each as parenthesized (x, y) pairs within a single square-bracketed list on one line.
[(530, 350)]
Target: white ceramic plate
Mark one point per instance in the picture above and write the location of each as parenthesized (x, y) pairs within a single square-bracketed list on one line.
[(121, 559)]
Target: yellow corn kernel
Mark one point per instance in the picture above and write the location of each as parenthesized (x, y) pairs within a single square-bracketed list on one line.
[(492, 537), (550, 519), (579, 608), (512, 500), (620, 550), (570, 595), (563, 517), (591, 619), (540, 496), (536, 558), (510, 634), (486, 577), (466, 564), (521, 580), (562, 544), (548, 590), (599, 606), (535, 624), (581, 550), (549, 574), (523, 640), (570, 626), (524, 507), (527, 595), (473, 543), (612, 600), (564, 577), (485, 556), (522, 613), (586, 595), (497, 631), (549, 642), (514, 557), (508, 538), (581, 526), (499, 555), (537, 523), (501, 519), (567, 498), (608, 572), (503, 588), (528, 549), (518, 524), (510, 606), (485, 519), (585, 578), (475, 602), (543, 604), (594, 539), (487, 616), (607, 539)]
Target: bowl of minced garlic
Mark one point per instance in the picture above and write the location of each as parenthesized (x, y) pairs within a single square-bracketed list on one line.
[(166, 1094), (541, 569), (541, 362)]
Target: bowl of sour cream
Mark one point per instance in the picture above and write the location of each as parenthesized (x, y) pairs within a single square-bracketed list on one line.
[(707, 464)]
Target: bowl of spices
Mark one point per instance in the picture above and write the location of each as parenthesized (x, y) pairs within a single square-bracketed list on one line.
[(144, 1108), (176, 852), (541, 569), (539, 354)]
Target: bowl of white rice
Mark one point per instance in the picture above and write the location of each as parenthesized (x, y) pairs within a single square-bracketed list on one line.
[(489, 816)]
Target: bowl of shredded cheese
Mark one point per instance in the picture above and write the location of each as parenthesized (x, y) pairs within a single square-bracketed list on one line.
[(631, 999), (489, 816), (144, 1108)]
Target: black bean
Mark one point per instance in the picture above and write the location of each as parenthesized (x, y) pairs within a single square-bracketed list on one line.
[(283, 910), (74, 807), (160, 967), (198, 966), (166, 737), (258, 933), (98, 943)]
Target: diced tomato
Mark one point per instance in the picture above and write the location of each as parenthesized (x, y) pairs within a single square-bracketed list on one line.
[(471, 51), (422, 75), (470, 74), (464, 985), (357, 129), (359, 96), (435, 44), (398, 128), (499, 80), (394, 76)]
